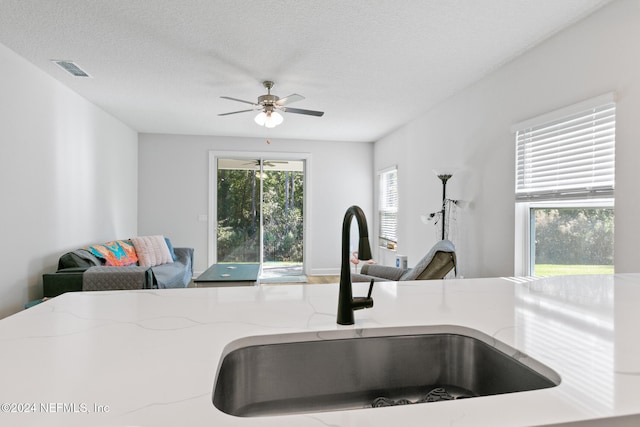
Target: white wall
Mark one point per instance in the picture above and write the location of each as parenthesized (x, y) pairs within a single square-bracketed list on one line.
[(69, 177), (174, 189), (471, 132)]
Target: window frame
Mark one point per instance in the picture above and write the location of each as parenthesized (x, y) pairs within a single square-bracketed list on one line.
[(525, 245), (388, 243), (588, 199)]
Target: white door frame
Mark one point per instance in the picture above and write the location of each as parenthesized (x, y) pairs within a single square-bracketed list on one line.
[(253, 155)]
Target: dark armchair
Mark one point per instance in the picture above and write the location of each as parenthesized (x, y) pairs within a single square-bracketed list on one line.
[(436, 264)]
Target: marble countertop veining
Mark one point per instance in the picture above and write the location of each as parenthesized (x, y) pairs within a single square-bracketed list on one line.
[(149, 358)]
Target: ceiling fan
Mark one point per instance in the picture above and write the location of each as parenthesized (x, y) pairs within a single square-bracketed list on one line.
[(267, 163), (270, 104)]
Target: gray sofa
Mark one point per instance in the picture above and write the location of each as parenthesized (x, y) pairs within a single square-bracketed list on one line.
[(77, 267)]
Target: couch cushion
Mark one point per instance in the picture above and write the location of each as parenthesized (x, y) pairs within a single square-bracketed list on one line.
[(80, 258), (171, 250), (152, 250), (116, 253), (383, 271)]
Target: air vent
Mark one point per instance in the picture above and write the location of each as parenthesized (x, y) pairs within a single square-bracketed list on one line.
[(71, 68)]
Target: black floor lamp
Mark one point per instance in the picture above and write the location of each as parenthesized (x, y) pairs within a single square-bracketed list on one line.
[(441, 215), (444, 177)]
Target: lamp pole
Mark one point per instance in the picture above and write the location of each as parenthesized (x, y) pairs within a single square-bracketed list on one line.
[(444, 178)]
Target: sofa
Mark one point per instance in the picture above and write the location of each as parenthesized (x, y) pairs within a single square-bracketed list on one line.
[(147, 262)]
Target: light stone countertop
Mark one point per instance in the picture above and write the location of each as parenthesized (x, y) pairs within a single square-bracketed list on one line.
[(149, 358)]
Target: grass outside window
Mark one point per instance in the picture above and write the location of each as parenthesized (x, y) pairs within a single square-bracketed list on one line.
[(566, 270)]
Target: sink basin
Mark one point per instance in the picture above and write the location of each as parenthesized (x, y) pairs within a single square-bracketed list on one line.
[(363, 368)]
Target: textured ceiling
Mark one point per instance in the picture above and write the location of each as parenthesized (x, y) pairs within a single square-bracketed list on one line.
[(372, 65)]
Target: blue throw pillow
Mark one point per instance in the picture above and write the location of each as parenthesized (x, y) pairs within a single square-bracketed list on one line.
[(171, 251)]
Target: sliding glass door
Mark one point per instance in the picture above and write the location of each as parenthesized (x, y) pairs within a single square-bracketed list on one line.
[(238, 211), (260, 214), (283, 219)]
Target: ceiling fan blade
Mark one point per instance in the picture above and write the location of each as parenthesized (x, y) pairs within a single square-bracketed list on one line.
[(239, 100), (236, 112), (289, 99), (301, 111)]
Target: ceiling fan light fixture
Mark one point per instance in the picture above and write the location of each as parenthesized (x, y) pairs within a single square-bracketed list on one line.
[(261, 118), (270, 107), (269, 119)]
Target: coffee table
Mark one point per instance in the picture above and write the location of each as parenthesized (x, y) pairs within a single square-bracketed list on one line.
[(229, 275)]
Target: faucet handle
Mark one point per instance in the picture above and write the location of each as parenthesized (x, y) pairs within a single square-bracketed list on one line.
[(359, 303), (370, 289)]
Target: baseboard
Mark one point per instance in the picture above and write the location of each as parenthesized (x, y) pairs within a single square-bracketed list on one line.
[(324, 272)]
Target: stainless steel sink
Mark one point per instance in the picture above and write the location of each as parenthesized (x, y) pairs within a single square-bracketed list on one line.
[(359, 368)]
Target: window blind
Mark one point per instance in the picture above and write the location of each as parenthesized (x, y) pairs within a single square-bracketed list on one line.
[(388, 205), (568, 157)]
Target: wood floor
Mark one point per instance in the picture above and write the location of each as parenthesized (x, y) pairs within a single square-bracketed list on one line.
[(322, 279)]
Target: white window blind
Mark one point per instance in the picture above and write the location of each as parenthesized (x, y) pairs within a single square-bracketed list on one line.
[(569, 157), (388, 206)]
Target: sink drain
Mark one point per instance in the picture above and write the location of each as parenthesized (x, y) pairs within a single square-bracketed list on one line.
[(435, 395)]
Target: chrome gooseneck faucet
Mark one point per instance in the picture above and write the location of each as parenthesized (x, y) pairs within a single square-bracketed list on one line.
[(346, 302)]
